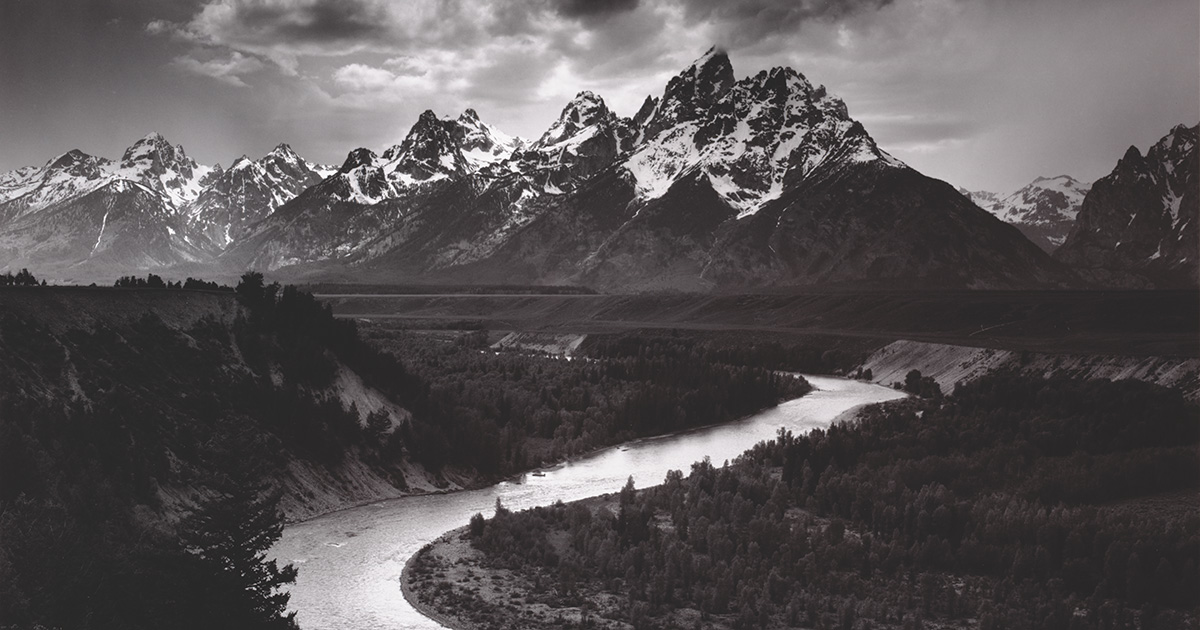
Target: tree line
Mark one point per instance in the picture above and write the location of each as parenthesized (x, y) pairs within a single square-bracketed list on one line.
[(22, 278), (154, 281)]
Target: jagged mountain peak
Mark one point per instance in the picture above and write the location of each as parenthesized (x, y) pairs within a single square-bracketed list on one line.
[(482, 144), (586, 104), (75, 160), (285, 151), (645, 111), (250, 191), (1180, 140), (585, 111), (153, 146), (429, 152), (786, 80), (358, 157), (164, 168), (1140, 220), (1132, 156), (714, 62), (692, 93)]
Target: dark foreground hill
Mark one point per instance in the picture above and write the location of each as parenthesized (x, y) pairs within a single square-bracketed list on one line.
[(138, 425)]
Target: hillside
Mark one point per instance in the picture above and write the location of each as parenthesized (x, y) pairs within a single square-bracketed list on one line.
[(128, 414), (138, 426)]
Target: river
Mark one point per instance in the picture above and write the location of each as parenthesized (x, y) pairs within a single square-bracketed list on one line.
[(350, 561)]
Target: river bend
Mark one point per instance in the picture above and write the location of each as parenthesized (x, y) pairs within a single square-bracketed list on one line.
[(350, 561)]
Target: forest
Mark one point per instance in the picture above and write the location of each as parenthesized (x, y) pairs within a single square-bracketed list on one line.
[(1014, 502), (505, 412), (139, 457)]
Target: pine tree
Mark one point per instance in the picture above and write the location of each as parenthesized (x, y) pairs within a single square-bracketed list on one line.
[(234, 531)]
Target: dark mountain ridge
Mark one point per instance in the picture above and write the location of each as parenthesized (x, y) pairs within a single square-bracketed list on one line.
[(1137, 226)]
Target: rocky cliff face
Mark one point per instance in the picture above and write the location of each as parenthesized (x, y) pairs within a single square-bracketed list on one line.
[(1138, 225)]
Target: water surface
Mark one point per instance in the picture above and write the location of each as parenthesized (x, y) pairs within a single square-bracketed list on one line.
[(350, 561)]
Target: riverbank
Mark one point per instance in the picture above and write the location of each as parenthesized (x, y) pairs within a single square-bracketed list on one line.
[(351, 561), (449, 574), (904, 534), (459, 480), (408, 589)]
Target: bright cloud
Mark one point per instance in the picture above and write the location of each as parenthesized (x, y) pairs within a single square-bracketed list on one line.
[(228, 70)]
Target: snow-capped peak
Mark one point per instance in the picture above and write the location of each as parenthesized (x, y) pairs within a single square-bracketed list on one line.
[(759, 136), (248, 192), (483, 144), (358, 157), (63, 177), (584, 111), (284, 151), (163, 168)]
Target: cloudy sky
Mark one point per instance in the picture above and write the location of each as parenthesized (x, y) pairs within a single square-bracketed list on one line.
[(986, 94)]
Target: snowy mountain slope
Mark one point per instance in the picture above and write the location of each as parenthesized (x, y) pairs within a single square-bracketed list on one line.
[(682, 209), (717, 182), (120, 227), (1138, 224), (761, 131), (449, 194), (1044, 210), (248, 191), (84, 217), (67, 176), (151, 162), (165, 169)]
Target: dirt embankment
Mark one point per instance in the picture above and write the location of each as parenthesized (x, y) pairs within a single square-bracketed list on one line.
[(949, 364)]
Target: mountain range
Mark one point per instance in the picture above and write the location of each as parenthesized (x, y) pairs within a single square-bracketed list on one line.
[(718, 183)]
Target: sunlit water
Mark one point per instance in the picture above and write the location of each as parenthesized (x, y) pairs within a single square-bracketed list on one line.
[(350, 561)]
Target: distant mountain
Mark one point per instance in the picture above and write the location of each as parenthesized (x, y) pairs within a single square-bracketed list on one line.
[(249, 191), (718, 183), (1044, 210), (80, 215), (165, 169), (982, 198), (668, 199), (83, 217), (1138, 224)]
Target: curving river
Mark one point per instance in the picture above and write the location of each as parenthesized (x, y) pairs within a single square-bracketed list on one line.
[(350, 561)]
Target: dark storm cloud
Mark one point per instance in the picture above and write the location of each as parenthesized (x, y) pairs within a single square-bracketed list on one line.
[(747, 21), (594, 9), (319, 21)]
